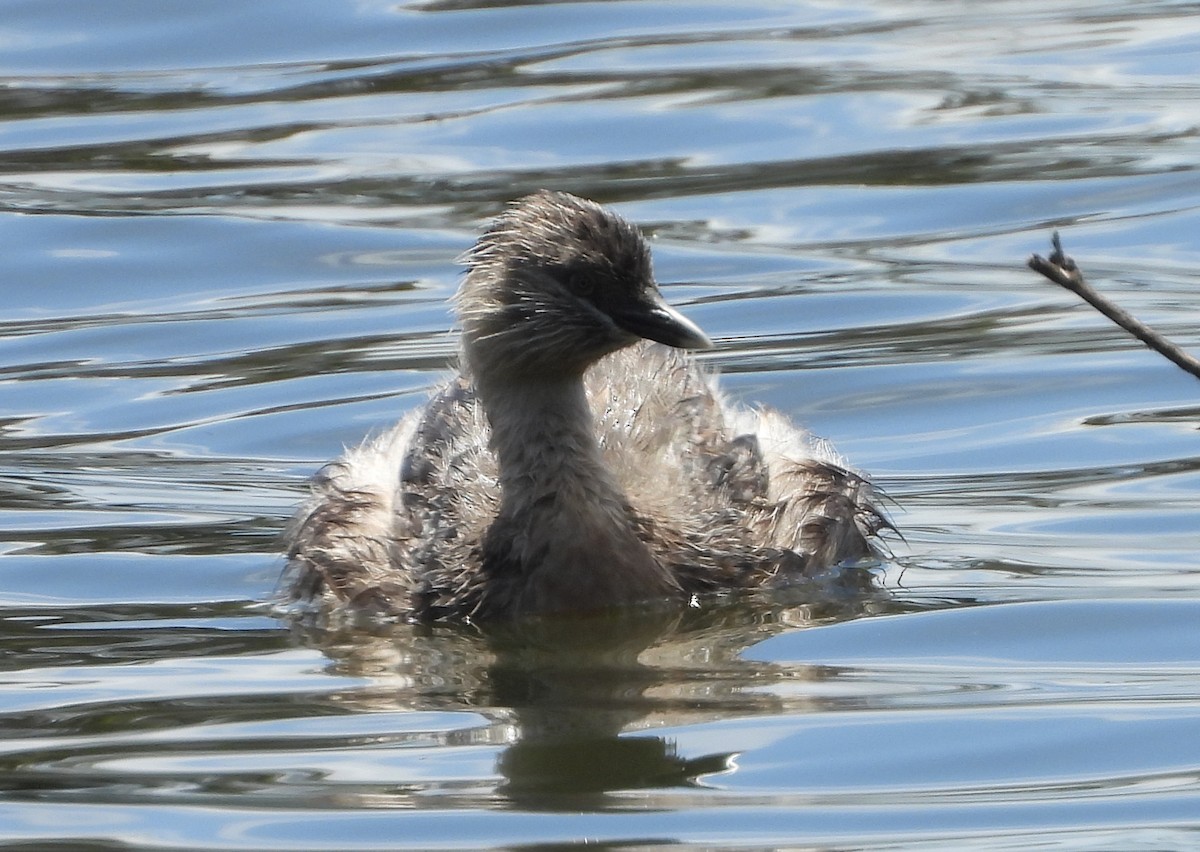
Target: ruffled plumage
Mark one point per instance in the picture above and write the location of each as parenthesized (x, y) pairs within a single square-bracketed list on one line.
[(416, 522)]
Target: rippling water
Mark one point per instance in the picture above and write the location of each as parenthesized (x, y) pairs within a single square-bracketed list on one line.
[(229, 232)]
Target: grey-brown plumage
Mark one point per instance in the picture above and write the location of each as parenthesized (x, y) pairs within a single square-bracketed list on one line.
[(580, 460)]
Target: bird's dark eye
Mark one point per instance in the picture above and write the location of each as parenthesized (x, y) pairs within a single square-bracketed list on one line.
[(581, 285)]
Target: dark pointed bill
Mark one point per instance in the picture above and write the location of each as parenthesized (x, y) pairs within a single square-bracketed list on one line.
[(654, 319)]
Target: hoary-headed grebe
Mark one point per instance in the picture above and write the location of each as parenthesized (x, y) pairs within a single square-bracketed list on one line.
[(580, 461)]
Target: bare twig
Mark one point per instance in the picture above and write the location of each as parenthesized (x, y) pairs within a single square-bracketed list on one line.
[(1062, 271)]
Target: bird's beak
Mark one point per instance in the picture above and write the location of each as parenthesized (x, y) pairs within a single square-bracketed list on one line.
[(653, 319)]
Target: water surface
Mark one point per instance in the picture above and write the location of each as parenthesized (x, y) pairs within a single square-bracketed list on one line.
[(229, 235)]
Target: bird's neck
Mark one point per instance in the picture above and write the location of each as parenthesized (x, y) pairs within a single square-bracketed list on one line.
[(564, 538), (542, 434)]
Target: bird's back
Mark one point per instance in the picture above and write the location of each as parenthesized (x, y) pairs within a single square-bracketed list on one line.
[(733, 496)]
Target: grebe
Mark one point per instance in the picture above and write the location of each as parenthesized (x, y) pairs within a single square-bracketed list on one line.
[(579, 461)]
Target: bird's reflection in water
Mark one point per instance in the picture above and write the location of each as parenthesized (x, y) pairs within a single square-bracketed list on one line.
[(572, 703)]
